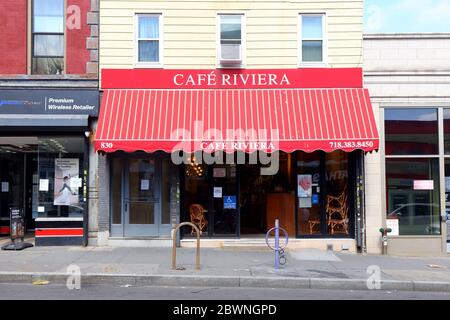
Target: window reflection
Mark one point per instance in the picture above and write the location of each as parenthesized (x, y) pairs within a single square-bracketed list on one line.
[(411, 131), (337, 197), (309, 213), (325, 208), (447, 131)]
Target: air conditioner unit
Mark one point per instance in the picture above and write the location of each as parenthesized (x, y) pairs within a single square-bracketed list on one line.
[(231, 54)]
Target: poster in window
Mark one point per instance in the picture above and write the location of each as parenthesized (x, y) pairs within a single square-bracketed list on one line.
[(66, 173), (304, 183)]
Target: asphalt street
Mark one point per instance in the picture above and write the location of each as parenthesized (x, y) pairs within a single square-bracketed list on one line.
[(110, 292)]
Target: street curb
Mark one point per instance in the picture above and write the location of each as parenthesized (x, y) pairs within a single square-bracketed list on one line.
[(170, 280)]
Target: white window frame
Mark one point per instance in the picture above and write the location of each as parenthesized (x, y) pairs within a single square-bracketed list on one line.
[(140, 64), (311, 64), (243, 40)]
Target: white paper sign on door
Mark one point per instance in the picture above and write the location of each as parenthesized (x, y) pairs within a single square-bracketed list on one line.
[(43, 185), (5, 186), (145, 184), (76, 183), (217, 192)]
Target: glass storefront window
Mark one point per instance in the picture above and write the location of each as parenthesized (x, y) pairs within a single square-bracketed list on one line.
[(61, 176), (198, 196), (116, 189), (447, 131), (12, 181), (309, 212), (413, 195), (411, 131), (337, 209), (323, 192)]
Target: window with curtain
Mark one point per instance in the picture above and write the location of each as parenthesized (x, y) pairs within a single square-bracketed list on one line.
[(48, 37), (312, 38), (148, 39)]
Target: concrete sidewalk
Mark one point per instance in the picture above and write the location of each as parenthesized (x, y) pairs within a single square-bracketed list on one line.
[(224, 268)]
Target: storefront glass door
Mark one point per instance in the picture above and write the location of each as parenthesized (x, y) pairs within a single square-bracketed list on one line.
[(18, 175), (224, 212), (211, 199), (141, 201), (12, 185), (140, 205), (325, 192)]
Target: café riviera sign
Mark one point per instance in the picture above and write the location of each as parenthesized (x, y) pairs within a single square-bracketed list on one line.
[(231, 78), (214, 79)]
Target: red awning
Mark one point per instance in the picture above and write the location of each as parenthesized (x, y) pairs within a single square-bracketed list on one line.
[(236, 119)]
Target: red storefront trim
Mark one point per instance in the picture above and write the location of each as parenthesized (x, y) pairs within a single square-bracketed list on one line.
[(78, 232)]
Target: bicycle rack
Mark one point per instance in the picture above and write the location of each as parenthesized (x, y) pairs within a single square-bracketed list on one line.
[(174, 246), (280, 258)]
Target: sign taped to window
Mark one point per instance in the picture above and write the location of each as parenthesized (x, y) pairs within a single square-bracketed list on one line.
[(230, 202)]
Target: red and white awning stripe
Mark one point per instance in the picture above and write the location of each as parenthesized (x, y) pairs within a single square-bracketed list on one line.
[(293, 119)]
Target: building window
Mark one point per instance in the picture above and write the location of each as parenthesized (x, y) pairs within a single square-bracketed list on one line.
[(61, 164), (447, 131), (149, 39), (312, 38), (411, 131), (412, 171), (231, 42), (48, 37), (413, 195)]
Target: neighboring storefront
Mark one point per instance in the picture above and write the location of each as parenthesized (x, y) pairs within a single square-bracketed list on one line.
[(49, 103), (408, 76), (44, 161), (233, 150)]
